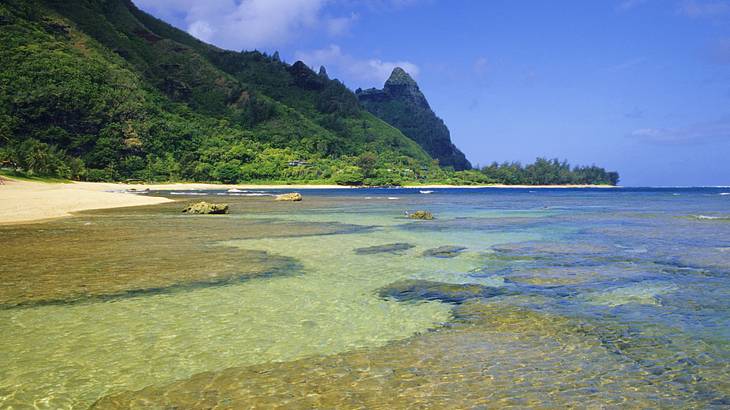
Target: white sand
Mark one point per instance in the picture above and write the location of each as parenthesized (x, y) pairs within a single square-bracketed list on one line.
[(23, 201)]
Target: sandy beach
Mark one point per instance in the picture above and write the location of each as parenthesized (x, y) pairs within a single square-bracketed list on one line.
[(26, 201)]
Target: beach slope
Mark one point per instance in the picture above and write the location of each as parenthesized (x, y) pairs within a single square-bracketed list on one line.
[(25, 201)]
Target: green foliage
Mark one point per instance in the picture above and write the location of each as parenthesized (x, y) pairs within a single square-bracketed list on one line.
[(367, 162), (351, 175), (548, 172), (126, 96), (100, 91), (38, 158)]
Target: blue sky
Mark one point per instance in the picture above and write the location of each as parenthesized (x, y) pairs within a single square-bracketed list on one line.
[(638, 86)]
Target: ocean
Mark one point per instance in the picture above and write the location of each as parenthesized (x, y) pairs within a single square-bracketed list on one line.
[(508, 298)]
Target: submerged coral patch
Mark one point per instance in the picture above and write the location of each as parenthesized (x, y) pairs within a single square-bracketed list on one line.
[(141, 254), (493, 355), (646, 293), (446, 251), (394, 248), (414, 289)]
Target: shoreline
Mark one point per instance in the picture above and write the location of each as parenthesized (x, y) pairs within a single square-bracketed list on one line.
[(509, 186), (29, 201), (210, 186)]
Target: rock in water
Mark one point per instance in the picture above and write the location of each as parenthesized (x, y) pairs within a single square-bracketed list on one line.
[(389, 248), (294, 196), (415, 289), (204, 208), (444, 251), (423, 215)]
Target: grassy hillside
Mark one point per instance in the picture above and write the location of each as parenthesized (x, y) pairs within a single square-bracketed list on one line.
[(102, 91)]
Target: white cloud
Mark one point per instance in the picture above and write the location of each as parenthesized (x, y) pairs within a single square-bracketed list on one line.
[(245, 24), (201, 30), (339, 25), (694, 134), (250, 24), (372, 72)]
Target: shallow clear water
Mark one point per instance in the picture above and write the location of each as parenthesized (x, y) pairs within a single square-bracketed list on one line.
[(591, 297)]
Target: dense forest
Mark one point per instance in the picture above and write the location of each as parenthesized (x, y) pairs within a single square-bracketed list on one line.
[(548, 172), (101, 91)]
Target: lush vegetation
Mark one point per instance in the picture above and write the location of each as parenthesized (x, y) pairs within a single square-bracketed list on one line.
[(100, 91), (88, 91), (548, 172)]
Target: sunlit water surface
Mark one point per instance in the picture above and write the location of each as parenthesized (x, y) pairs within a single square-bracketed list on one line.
[(583, 298)]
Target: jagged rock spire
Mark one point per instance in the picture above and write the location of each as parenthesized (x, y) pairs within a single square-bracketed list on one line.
[(402, 85), (399, 77), (402, 104)]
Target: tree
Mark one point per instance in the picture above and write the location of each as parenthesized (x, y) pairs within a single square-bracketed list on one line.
[(367, 161)]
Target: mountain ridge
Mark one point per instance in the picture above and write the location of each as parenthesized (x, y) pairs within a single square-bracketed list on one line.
[(402, 104), (122, 94), (99, 90)]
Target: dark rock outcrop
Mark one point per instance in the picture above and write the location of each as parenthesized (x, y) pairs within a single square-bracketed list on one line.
[(394, 248), (415, 289), (444, 251), (402, 104), (304, 77)]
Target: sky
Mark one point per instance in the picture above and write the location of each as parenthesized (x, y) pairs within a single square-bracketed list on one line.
[(637, 86)]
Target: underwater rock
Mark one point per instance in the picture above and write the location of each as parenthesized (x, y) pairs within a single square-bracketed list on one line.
[(293, 196), (644, 293), (205, 208), (474, 224), (550, 248), (389, 248), (422, 215), (416, 289), (446, 251)]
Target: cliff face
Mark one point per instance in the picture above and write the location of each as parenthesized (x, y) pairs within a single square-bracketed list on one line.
[(402, 104)]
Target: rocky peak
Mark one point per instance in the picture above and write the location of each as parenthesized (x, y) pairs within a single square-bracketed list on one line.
[(323, 72), (304, 77), (402, 104), (399, 78), (402, 85)]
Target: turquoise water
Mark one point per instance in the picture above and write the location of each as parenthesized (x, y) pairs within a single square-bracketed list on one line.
[(576, 297)]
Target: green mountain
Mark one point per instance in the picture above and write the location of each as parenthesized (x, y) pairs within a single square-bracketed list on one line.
[(98, 89), (402, 104)]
